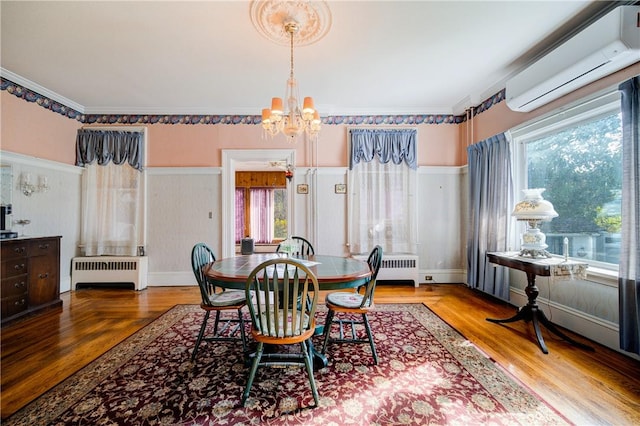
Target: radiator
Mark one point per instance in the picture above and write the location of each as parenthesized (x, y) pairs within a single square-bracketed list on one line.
[(396, 267), (109, 269)]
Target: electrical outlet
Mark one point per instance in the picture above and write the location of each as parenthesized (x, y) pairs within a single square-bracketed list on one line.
[(428, 278)]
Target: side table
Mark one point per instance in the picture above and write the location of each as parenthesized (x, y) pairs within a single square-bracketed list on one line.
[(545, 267)]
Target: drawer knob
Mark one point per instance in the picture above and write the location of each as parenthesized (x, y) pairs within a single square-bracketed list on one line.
[(43, 246), (18, 267), (19, 302), (20, 284), (45, 275), (19, 250)]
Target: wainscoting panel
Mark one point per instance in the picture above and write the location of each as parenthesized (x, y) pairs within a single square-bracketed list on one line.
[(441, 222), (54, 212), (586, 307), (184, 209)]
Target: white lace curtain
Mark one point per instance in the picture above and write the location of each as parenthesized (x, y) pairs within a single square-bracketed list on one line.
[(112, 192), (382, 190)]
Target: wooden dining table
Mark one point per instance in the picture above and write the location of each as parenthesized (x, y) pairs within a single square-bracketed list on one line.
[(332, 272)]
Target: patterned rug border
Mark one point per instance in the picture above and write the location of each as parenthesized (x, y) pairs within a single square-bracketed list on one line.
[(489, 373)]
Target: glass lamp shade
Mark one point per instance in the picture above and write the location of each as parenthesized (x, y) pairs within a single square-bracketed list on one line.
[(534, 209)]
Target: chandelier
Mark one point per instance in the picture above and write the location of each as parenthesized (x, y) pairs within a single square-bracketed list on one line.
[(294, 121)]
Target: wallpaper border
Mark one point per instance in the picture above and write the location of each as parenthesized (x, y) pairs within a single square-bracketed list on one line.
[(57, 107)]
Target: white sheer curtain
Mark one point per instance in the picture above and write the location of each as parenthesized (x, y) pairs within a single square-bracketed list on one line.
[(113, 191), (262, 217), (112, 211), (382, 191)]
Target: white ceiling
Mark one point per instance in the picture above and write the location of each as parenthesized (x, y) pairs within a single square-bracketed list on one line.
[(205, 57)]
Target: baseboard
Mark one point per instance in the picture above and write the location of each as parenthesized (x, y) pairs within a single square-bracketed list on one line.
[(443, 276), (163, 279)]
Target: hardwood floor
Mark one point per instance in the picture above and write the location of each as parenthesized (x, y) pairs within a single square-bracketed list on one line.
[(589, 388)]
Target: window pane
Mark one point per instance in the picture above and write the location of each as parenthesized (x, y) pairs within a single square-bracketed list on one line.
[(280, 214), (581, 168)]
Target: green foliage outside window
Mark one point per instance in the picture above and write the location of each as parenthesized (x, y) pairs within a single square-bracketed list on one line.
[(280, 214), (581, 170)]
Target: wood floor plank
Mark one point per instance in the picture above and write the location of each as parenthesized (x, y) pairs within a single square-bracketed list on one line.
[(595, 388)]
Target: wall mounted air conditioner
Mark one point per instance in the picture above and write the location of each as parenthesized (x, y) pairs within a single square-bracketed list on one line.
[(608, 45)]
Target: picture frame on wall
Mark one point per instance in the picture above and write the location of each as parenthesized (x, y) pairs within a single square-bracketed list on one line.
[(341, 188), (303, 188)]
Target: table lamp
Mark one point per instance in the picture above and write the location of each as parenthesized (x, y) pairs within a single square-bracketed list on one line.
[(534, 209)]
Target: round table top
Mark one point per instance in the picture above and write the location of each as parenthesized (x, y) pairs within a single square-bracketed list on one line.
[(333, 272)]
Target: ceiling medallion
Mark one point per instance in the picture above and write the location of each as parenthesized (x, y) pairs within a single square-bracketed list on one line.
[(270, 16)]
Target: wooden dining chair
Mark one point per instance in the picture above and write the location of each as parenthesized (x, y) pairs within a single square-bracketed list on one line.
[(218, 301), (305, 248), (359, 302), (282, 295)]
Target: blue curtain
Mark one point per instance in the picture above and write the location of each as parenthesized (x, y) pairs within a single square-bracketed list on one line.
[(490, 205), (106, 146), (629, 272), (389, 145)]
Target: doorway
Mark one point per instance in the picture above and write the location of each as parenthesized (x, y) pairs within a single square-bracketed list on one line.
[(243, 160)]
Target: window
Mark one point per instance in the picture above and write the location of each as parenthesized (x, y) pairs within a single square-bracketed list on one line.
[(382, 187), (261, 206), (577, 157), (113, 191)]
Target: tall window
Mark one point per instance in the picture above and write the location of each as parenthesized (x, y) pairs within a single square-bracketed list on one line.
[(577, 157), (113, 191), (382, 185), (261, 206)]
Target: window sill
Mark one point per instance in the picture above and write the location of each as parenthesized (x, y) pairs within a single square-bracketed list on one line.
[(608, 277), (602, 276)]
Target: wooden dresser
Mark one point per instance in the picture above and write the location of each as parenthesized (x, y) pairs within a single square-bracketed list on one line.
[(30, 276)]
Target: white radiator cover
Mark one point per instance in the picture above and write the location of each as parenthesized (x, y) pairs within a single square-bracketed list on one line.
[(395, 267), (110, 269)]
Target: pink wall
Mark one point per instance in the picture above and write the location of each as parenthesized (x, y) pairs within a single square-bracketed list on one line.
[(201, 145), (29, 129)]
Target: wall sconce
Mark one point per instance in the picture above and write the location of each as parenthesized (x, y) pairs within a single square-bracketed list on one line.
[(28, 187)]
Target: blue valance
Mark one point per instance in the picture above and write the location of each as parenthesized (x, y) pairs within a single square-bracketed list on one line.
[(104, 146), (387, 144)]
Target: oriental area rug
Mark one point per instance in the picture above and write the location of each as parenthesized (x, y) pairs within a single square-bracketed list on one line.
[(427, 374)]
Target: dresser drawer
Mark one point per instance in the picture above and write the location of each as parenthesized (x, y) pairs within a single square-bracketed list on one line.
[(43, 247), (14, 286), (14, 305), (14, 249), (14, 267)]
